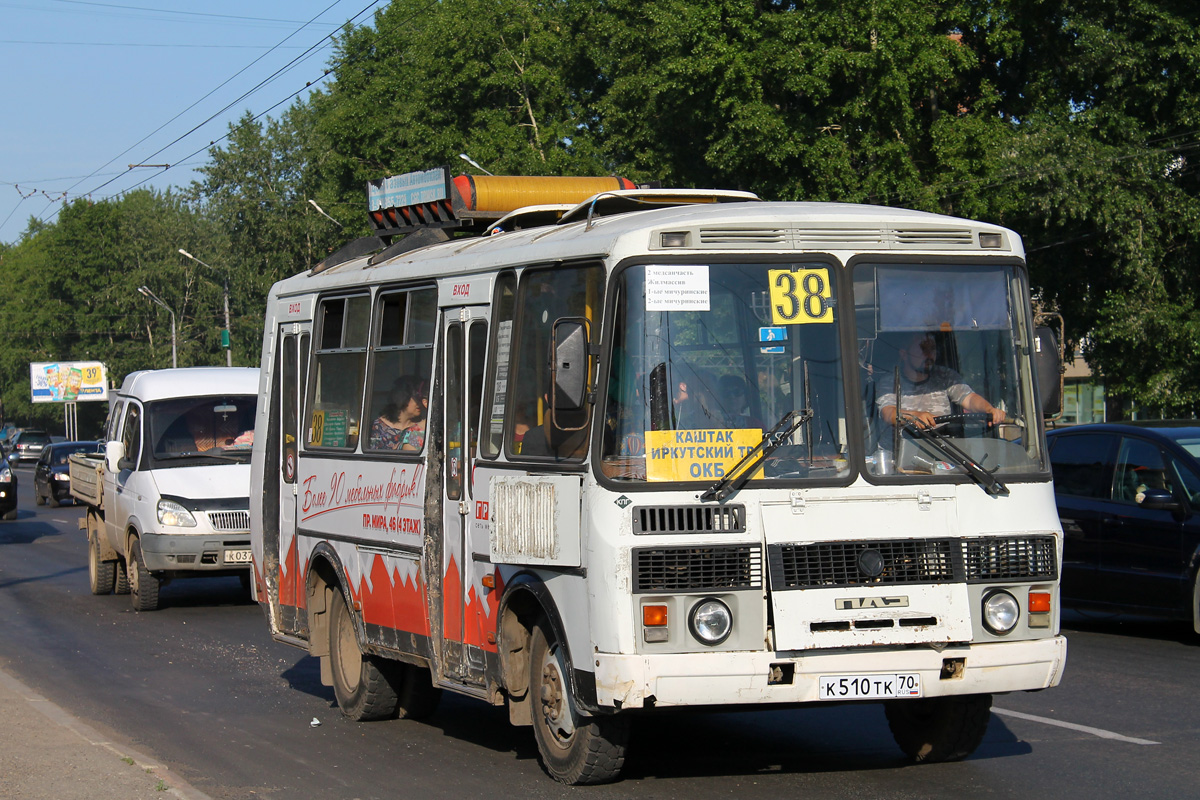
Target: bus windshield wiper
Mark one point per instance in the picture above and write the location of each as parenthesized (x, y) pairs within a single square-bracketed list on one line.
[(940, 442), (772, 440)]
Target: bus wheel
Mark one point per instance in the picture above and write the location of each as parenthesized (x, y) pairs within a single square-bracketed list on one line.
[(101, 574), (574, 749), (939, 728), (418, 697), (362, 689), (143, 585)]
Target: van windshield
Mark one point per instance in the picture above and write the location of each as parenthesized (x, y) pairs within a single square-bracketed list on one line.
[(220, 427)]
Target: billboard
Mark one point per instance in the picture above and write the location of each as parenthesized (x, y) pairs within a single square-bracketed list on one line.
[(68, 381)]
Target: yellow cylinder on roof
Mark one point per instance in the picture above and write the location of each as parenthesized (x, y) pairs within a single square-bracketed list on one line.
[(505, 193)]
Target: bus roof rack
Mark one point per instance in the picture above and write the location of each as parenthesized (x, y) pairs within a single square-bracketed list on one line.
[(626, 200), (418, 209)]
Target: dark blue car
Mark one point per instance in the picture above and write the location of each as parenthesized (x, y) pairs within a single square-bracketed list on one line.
[(8, 490), (1129, 500), (51, 475)]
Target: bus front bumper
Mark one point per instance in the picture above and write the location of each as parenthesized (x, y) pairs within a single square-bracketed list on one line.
[(725, 678)]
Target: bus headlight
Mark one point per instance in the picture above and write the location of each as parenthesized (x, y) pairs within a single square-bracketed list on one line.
[(175, 515), (711, 621), (1000, 611)]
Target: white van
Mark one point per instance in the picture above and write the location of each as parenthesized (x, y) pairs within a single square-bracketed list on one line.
[(171, 496)]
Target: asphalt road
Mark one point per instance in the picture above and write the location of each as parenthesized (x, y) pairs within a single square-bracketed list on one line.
[(200, 686)]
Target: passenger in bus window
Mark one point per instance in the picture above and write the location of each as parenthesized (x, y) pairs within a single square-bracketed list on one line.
[(401, 423), (736, 399), (528, 437), (929, 390)]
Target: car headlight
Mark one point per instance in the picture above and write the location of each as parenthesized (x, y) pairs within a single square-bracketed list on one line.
[(171, 513), (1000, 611), (6, 475), (711, 621), (61, 476)]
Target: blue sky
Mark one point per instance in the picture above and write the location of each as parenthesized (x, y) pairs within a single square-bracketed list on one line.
[(92, 87)]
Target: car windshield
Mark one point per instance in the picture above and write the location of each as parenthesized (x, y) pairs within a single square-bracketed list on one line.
[(33, 438), (947, 345), (61, 455), (192, 427), (707, 357)]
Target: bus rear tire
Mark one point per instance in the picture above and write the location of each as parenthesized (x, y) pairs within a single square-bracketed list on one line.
[(939, 728), (575, 749), (101, 574), (362, 689), (417, 697)]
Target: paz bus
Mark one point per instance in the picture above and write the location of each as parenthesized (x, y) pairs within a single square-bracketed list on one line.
[(588, 450)]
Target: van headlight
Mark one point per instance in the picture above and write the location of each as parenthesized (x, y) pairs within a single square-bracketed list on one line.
[(1000, 611), (711, 621), (175, 515)]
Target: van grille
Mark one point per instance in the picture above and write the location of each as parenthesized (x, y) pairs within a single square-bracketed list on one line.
[(230, 521), (681, 569), (689, 519), (987, 559)]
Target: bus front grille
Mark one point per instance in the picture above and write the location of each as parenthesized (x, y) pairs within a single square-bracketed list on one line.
[(689, 519), (985, 559), (704, 568)]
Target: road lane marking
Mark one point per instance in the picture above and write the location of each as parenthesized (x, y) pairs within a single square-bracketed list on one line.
[(1103, 734)]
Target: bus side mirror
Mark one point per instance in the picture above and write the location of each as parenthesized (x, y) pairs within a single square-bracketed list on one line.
[(569, 367), (114, 454), (1047, 364)]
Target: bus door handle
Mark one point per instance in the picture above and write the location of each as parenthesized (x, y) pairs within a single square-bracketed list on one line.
[(464, 508)]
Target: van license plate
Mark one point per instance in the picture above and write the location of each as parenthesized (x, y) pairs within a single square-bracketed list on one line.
[(237, 556), (870, 687)]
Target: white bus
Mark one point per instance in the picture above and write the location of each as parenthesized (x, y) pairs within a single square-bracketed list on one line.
[(633, 453)]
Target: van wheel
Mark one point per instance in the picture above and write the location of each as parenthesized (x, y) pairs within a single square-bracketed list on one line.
[(121, 584), (939, 728), (143, 586), (362, 689), (52, 499), (575, 750), (101, 574), (38, 499), (418, 697)]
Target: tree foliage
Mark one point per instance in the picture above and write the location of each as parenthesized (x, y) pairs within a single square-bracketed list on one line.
[(1075, 122)]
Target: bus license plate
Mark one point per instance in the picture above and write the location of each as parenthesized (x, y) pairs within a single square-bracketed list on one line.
[(237, 556), (870, 687)]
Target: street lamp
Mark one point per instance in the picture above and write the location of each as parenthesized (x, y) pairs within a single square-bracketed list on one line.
[(225, 287), (155, 298)]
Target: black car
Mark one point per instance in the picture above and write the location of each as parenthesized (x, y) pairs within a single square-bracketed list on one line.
[(51, 476), (1129, 500), (8, 490), (27, 446)]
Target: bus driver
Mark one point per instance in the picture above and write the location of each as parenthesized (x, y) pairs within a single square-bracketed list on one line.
[(928, 390)]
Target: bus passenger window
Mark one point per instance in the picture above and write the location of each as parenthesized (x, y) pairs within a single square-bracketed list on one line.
[(401, 369), (336, 398)]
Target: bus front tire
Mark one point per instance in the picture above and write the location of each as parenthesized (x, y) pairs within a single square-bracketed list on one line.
[(362, 689), (575, 749), (939, 728)]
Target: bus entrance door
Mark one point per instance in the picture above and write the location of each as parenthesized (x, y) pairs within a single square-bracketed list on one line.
[(464, 560), (293, 366)]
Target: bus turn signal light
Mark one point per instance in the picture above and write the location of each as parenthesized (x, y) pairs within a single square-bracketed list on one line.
[(654, 616), (1039, 602)]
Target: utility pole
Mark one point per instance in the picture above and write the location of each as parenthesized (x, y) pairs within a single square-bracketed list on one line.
[(225, 287)]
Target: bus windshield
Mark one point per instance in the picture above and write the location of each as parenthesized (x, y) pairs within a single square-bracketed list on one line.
[(708, 357), (948, 340)]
